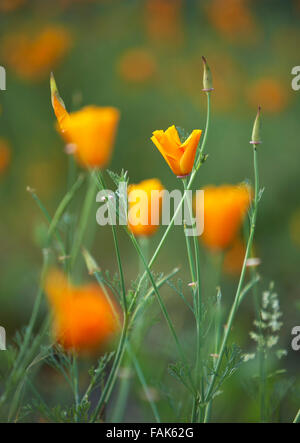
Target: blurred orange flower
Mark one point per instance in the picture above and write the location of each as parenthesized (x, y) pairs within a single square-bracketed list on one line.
[(270, 93), (33, 56), (234, 19), (10, 5), (90, 132), (5, 155), (179, 156), (163, 21), (84, 320), (144, 206), (224, 209), (137, 65)]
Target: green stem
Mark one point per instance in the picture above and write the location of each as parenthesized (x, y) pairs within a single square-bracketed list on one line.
[(113, 373), (117, 249), (195, 276), (75, 385), (240, 285), (189, 185), (86, 211), (297, 418)]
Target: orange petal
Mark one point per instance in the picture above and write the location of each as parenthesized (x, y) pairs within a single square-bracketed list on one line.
[(190, 148), (172, 162)]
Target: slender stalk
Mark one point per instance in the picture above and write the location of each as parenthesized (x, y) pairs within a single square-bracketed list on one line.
[(297, 418), (129, 348), (75, 385), (86, 211), (194, 262), (189, 185), (117, 249), (160, 301), (113, 373), (239, 288), (143, 382)]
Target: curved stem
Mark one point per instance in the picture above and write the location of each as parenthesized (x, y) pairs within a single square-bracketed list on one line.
[(113, 373), (239, 288)]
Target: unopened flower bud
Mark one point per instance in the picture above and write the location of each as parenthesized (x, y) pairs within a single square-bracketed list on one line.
[(207, 77), (255, 138)]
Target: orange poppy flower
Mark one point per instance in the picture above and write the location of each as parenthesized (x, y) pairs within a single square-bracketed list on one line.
[(179, 156), (84, 320), (4, 155), (224, 209), (149, 227), (90, 132)]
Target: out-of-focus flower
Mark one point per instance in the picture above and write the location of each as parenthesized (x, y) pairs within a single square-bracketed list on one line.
[(10, 5), (90, 132), (33, 56), (5, 155), (84, 320), (234, 257), (224, 210), (294, 226), (233, 20), (163, 21), (270, 93), (179, 155), (143, 205), (137, 65)]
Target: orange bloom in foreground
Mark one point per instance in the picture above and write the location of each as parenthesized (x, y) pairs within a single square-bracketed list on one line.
[(84, 320), (4, 155), (224, 210), (90, 132), (179, 156), (34, 56), (143, 207)]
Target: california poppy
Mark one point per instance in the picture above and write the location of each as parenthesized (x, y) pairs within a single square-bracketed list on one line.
[(84, 320), (145, 226), (89, 132), (179, 155)]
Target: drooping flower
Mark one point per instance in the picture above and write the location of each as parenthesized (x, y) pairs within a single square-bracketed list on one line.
[(33, 56), (5, 155), (84, 320), (224, 210), (89, 132), (142, 197), (180, 156)]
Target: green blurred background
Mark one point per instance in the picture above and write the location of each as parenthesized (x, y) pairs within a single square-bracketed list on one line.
[(144, 57)]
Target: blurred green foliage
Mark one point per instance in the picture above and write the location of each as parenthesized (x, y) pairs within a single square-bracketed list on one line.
[(147, 62)]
